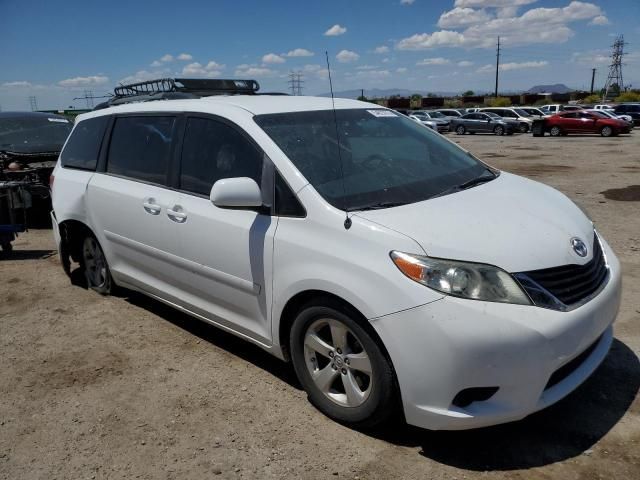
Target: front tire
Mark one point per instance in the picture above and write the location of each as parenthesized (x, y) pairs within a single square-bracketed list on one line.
[(460, 130), (498, 130), (523, 128), (95, 266), (606, 131), (341, 367), (555, 131)]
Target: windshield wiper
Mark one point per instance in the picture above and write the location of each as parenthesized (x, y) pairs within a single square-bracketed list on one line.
[(484, 178), (378, 206)]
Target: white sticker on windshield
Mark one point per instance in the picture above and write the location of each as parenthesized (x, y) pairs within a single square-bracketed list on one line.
[(58, 120), (382, 113)]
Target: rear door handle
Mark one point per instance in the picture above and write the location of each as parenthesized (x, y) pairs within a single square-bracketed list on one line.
[(151, 207), (177, 214)]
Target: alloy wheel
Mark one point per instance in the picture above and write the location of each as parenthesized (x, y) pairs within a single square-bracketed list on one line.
[(94, 262), (337, 362)]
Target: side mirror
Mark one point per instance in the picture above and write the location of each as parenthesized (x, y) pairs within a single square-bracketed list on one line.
[(236, 192)]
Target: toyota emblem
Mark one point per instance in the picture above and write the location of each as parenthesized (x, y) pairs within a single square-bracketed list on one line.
[(579, 247)]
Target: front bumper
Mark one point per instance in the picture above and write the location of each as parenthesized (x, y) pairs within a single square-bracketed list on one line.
[(452, 344)]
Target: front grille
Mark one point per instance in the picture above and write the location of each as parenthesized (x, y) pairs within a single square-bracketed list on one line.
[(570, 367), (569, 284)]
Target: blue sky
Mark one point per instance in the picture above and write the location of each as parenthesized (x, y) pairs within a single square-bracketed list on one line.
[(54, 50)]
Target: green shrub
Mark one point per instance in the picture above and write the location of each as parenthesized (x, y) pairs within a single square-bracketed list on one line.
[(592, 99), (628, 97), (499, 102), (453, 103)]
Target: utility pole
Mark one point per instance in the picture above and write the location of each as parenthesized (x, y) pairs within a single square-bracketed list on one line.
[(295, 83), (88, 95), (362, 92), (33, 102), (497, 66), (593, 77), (615, 69)]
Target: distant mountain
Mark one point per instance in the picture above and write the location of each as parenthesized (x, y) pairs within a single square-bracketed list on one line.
[(384, 93), (555, 88)]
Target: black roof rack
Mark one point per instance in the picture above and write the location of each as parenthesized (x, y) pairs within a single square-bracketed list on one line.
[(179, 88)]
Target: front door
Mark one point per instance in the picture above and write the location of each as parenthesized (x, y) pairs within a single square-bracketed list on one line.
[(226, 253)]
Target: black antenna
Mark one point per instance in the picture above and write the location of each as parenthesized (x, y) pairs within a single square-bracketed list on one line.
[(347, 220)]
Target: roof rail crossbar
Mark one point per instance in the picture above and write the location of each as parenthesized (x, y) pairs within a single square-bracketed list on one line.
[(199, 86)]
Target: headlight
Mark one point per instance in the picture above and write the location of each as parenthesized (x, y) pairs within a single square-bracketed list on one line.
[(475, 281)]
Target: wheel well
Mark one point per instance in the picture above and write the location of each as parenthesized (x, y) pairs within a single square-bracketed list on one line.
[(319, 297), (72, 232)]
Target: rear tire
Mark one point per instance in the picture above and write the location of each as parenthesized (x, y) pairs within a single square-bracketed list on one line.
[(460, 130), (607, 131), (341, 366), (555, 131), (95, 267), (499, 130)]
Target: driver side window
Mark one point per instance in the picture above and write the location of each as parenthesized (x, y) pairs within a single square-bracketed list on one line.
[(213, 150)]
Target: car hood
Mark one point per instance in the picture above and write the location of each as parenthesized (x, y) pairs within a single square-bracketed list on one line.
[(511, 222)]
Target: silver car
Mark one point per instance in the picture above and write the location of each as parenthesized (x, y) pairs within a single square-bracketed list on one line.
[(481, 122)]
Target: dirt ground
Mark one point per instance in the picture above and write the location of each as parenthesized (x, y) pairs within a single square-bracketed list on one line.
[(98, 387)]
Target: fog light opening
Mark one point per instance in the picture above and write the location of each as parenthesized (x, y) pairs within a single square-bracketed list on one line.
[(466, 397)]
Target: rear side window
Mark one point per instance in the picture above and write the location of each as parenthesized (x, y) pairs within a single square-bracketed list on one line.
[(141, 148), (213, 150), (83, 146)]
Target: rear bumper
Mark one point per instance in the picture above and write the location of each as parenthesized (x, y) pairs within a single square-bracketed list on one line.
[(450, 345)]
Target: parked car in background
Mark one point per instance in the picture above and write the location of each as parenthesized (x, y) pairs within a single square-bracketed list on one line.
[(604, 107), (610, 114), (449, 112), (30, 143), (439, 119), (631, 109), (585, 122), (389, 265), (425, 121), (524, 119), (571, 108), (483, 122), (534, 112)]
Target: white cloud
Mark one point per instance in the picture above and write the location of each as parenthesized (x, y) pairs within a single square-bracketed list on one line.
[(373, 74), (336, 30), (156, 63), (196, 69), (433, 61), (250, 71), (185, 57), (299, 52), (347, 56), (407, 2), (166, 58), (505, 67), (272, 58), (423, 41), (465, 63), (537, 25), (460, 17), (492, 3), (600, 20), (18, 84), (90, 81), (401, 70), (381, 49), (141, 76)]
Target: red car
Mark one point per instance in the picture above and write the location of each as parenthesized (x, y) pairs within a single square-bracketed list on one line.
[(581, 121)]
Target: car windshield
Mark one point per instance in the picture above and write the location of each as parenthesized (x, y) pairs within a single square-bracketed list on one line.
[(421, 116), (33, 134), (521, 112), (436, 115), (599, 114), (384, 159)]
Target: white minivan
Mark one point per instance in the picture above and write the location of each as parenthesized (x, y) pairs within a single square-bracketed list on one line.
[(390, 266)]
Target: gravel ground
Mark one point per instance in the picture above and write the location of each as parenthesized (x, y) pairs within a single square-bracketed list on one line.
[(124, 387)]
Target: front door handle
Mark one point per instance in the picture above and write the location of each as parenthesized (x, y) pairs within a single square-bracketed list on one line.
[(177, 214), (151, 207)]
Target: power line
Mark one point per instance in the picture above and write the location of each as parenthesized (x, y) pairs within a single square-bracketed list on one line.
[(497, 66), (615, 69)]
